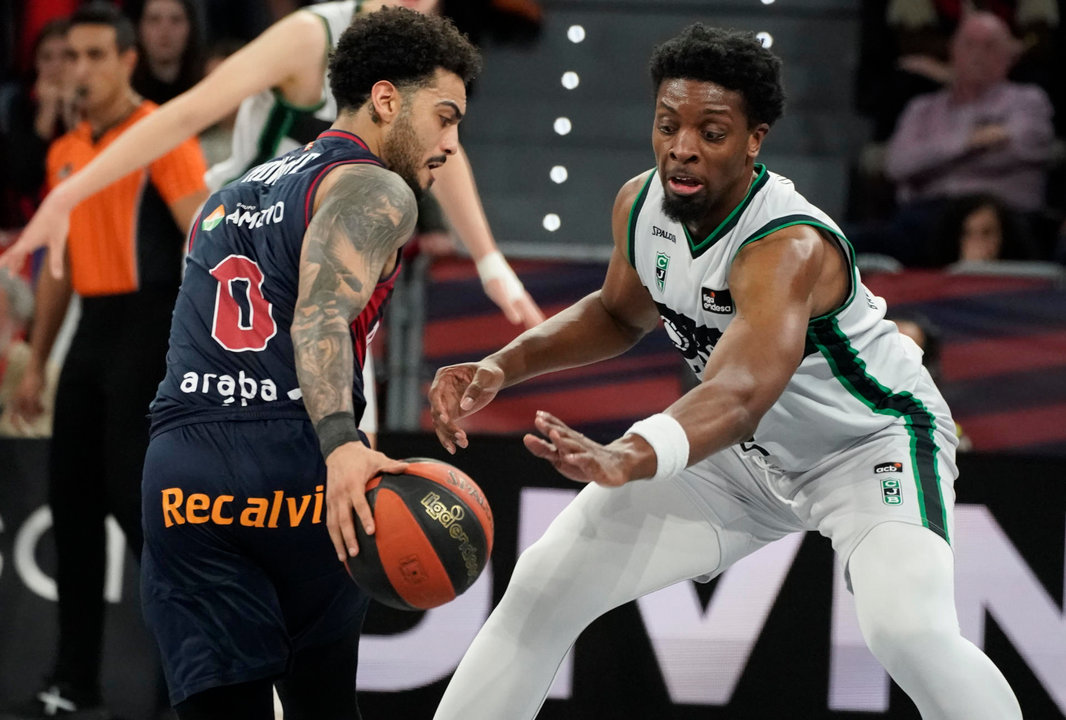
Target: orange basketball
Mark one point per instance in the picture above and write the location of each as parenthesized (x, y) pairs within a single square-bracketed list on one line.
[(433, 536)]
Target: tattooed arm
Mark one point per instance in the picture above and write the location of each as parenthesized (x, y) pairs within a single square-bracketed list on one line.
[(364, 214)]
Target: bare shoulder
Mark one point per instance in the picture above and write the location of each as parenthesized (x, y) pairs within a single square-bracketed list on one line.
[(627, 194), (623, 205)]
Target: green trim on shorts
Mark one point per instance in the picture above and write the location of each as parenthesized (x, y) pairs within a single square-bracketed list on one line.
[(850, 370)]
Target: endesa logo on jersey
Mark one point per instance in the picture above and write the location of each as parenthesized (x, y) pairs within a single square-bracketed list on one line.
[(717, 301)]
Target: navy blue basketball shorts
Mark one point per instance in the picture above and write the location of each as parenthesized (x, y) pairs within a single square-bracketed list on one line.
[(239, 572)]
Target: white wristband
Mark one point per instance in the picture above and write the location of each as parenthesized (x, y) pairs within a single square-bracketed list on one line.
[(494, 267), (669, 441)]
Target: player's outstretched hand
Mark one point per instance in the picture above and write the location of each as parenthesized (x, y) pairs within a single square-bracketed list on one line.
[(458, 391), (47, 228), (505, 289), (574, 455), (348, 469), (517, 304)]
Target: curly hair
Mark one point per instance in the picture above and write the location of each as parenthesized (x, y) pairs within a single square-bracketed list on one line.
[(733, 59), (401, 46)]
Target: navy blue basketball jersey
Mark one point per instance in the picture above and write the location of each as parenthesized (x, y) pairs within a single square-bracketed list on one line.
[(231, 354)]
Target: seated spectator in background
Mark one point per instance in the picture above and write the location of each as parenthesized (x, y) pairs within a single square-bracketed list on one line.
[(169, 35), (980, 135), (980, 228), (34, 114), (910, 41)]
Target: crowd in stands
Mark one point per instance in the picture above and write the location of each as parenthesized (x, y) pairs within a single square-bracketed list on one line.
[(966, 159), (966, 105)]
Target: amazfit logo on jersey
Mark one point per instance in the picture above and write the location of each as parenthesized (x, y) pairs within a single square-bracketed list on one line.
[(270, 172), (717, 301), (278, 510), (247, 216), (230, 388)]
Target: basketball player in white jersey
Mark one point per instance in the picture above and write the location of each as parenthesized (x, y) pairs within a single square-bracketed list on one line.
[(282, 73), (813, 412)]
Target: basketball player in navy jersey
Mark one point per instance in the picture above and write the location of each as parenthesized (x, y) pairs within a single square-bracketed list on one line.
[(256, 467), (813, 412)]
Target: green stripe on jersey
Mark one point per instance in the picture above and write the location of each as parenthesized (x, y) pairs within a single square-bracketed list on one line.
[(731, 220), (851, 371), (634, 212), (790, 220)]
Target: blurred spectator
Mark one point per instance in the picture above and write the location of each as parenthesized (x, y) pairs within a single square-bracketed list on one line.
[(980, 228), (32, 115), (28, 18), (169, 33), (926, 335), (981, 135), (905, 50), (217, 140), (16, 311)]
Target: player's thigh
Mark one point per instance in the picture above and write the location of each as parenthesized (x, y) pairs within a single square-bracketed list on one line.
[(899, 476), (621, 543), (212, 607)]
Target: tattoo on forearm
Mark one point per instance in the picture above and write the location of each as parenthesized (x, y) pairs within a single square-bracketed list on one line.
[(367, 216)]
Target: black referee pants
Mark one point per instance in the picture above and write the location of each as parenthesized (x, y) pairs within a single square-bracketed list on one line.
[(115, 363)]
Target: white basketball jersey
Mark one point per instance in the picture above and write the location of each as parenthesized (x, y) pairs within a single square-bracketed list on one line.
[(267, 125), (858, 374)]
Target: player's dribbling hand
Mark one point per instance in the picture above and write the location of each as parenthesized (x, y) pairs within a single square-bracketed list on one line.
[(348, 469), (574, 455), (458, 391), (47, 228)]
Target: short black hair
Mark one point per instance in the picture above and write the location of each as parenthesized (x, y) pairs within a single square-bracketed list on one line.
[(104, 13), (399, 45), (734, 59)]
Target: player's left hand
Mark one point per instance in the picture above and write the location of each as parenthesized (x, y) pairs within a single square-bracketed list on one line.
[(574, 455), (505, 289), (47, 228), (348, 469)]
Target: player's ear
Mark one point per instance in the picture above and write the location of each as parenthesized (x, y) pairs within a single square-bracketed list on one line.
[(385, 101), (755, 139)]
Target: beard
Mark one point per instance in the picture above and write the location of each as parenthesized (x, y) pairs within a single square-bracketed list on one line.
[(687, 210), (401, 153)]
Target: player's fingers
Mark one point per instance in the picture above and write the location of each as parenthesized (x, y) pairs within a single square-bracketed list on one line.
[(531, 314), (363, 512), (546, 422), (394, 467), (479, 392), (539, 447), (445, 438), (335, 535)]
